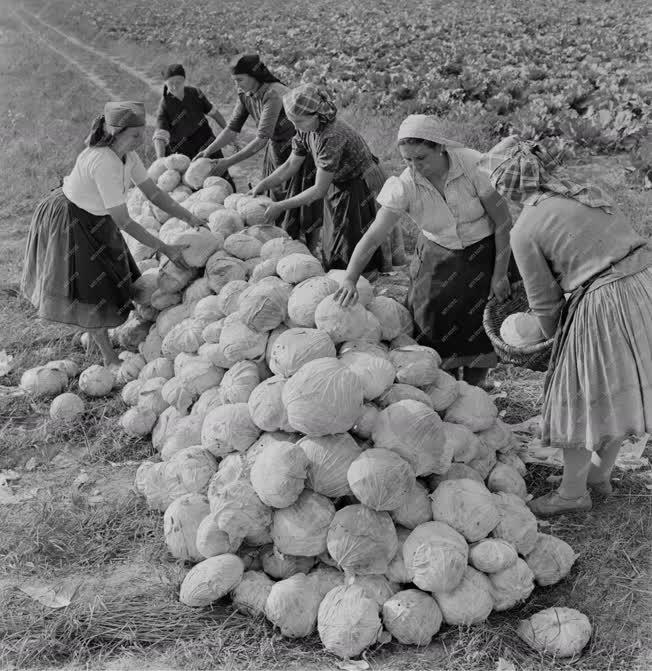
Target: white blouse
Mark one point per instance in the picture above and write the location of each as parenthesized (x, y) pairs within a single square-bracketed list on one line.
[(457, 221), (100, 180)]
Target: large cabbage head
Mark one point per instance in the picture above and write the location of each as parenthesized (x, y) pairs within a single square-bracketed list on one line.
[(435, 557), (239, 342), (414, 431), (376, 373), (395, 319), (560, 632), (250, 596), (323, 397), (473, 407), (412, 617), (417, 365), (491, 555), (415, 509), (210, 580), (442, 391), (279, 474), (512, 585), (263, 307), (465, 444), (467, 506), (266, 405), (222, 268), (301, 529), (340, 323), (228, 428), (239, 381), (504, 478), (329, 458), (470, 602), (200, 375), (348, 621), (180, 522), (295, 268), (306, 296), (297, 346), (292, 606), (361, 540), (381, 479), (183, 337), (551, 559), (516, 524)]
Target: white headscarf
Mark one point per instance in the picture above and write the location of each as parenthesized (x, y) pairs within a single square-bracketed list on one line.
[(424, 127)]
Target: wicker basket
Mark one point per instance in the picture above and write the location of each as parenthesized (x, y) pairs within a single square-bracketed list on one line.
[(534, 357)]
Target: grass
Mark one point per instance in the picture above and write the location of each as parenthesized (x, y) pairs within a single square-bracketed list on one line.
[(126, 614)]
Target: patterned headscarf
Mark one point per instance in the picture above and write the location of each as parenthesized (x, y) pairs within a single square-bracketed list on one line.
[(310, 99), (523, 171), (117, 115)]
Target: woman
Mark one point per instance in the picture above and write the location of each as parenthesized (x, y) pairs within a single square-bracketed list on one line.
[(570, 238), (181, 122), (347, 175), (462, 252), (77, 267), (260, 95)]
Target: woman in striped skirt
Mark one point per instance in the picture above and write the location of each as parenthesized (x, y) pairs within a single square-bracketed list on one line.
[(570, 238)]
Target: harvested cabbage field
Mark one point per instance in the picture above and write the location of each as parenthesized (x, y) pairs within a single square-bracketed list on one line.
[(254, 490)]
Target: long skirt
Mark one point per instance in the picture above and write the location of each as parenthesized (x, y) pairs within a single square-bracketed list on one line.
[(301, 220), (349, 209), (449, 289), (601, 388), (77, 268)]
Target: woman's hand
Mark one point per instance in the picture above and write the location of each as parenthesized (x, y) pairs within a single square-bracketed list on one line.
[(259, 189), (196, 222), (201, 154), (272, 213), (347, 294), (500, 288), (220, 165), (175, 254)]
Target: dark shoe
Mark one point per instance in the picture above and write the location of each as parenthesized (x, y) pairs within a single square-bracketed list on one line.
[(553, 503)]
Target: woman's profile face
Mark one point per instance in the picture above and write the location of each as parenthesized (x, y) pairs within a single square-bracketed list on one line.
[(245, 83), (304, 122), (134, 137), (175, 85), (421, 158)]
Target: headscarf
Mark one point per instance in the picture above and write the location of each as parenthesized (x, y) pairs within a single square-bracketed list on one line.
[(117, 115), (424, 127), (523, 170), (174, 70), (310, 99), (250, 64)]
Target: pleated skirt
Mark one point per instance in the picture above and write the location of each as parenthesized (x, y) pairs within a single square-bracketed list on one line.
[(77, 267), (601, 388)]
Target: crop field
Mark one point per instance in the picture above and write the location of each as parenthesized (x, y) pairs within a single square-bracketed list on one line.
[(86, 579)]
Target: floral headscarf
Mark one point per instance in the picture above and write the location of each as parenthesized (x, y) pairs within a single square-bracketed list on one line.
[(310, 99), (523, 170)]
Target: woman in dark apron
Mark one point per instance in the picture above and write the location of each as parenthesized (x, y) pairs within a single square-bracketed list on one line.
[(348, 176), (78, 269), (260, 96), (462, 253), (181, 122)]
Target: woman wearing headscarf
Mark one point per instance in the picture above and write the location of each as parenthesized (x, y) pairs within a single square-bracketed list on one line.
[(260, 96), (462, 252), (77, 267), (570, 238), (347, 177), (181, 122)]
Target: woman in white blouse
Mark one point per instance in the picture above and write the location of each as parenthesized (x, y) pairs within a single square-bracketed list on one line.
[(462, 252), (77, 267)]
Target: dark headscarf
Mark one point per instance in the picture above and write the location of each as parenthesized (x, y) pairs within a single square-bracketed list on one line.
[(174, 70), (250, 64), (117, 114)]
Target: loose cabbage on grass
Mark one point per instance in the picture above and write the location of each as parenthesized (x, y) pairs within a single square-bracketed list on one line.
[(210, 580), (561, 632)]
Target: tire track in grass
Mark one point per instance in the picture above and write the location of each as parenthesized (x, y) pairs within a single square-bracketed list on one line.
[(96, 79)]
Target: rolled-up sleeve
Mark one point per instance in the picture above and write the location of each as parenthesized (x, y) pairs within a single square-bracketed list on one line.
[(544, 295), (299, 144), (394, 195), (272, 106), (238, 117)]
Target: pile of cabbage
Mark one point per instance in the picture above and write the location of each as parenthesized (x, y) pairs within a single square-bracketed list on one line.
[(315, 464)]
